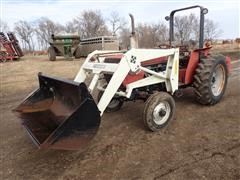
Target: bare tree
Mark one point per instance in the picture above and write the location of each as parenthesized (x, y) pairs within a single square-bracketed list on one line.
[(124, 38), (185, 28), (91, 23), (25, 31), (211, 30), (116, 22), (163, 32), (152, 35), (70, 27), (146, 35), (44, 29), (3, 26)]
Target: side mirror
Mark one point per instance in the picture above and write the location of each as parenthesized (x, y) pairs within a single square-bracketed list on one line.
[(167, 18)]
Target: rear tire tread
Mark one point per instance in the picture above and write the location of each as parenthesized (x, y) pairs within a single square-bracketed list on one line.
[(203, 77)]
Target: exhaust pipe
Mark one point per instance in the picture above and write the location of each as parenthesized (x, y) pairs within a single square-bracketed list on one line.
[(133, 37)]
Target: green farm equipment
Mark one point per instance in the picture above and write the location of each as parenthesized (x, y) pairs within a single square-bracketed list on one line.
[(64, 45)]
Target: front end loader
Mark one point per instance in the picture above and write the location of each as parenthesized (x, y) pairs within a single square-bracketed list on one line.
[(62, 114)]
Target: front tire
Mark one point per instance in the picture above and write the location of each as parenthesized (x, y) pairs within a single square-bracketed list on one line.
[(210, 80), (159, 110)]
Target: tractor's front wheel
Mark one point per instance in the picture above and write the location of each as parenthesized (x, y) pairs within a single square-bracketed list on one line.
[(51, 53), (210, 79), (158, 111)]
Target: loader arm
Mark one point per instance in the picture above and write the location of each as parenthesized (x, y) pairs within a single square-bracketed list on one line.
[(129, 63)]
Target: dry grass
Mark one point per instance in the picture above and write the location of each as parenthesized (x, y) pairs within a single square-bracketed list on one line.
[(18, 76), (202, 142)]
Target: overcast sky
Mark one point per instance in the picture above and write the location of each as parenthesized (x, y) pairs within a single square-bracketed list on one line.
[(225, 13)]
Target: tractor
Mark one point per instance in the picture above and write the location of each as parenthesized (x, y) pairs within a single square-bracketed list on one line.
[(62, 114), (64, 45)]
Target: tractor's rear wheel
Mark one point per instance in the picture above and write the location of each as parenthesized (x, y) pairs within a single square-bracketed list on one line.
[(210, 79), (51, 53), (159, 110)]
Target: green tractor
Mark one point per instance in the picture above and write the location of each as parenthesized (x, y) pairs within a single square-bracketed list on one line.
[(64, 45)]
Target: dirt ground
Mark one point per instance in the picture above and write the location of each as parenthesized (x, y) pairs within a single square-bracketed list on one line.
[(202, 142)]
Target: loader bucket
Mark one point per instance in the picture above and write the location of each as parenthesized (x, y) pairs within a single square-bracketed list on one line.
[(61, 114)]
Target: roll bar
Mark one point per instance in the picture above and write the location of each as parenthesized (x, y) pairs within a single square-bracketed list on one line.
[(170, 18)]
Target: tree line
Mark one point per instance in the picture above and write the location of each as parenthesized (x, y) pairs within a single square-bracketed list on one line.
[(35, 35)]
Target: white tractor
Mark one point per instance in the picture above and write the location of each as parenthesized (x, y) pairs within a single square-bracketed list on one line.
[(62, 114)]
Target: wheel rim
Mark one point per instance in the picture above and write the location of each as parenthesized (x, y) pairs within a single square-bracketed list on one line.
[(161, 113), (218, 80)]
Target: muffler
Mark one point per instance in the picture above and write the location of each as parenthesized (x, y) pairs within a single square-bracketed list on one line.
[(60, 114)]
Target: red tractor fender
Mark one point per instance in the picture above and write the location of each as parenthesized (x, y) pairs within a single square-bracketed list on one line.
[(191, 67), (193, 62)]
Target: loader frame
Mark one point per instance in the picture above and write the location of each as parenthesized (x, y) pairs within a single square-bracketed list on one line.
[(129, 63)]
